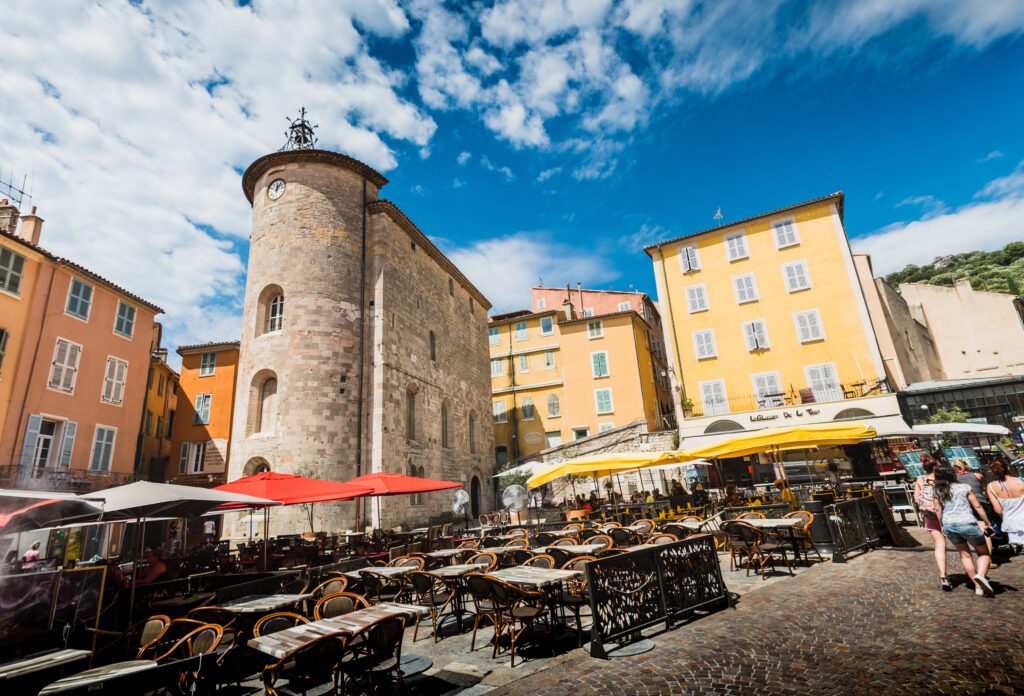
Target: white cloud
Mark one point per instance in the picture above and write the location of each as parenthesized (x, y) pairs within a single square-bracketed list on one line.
[(995, 154), (486, 163), (548, 173), (463, 158), (989, 223), (134, 119), (931, 205), (504, 268)]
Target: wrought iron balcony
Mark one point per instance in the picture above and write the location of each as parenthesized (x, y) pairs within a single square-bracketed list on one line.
[(793, 397), (60, 479)]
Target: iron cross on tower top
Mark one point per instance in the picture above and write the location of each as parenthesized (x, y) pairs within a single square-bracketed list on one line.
[(300, 133)]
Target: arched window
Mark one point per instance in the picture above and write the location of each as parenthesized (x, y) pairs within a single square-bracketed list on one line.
[(275, 313), (433, 347), (270, 310), (472, 432), (410, 413), (268, 406), (445, 430), (554, 408)]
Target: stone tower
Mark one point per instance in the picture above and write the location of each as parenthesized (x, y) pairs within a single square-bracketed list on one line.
[(345, 303)]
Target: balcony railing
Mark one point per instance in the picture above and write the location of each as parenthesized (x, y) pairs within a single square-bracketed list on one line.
[(793, 397), (59, 479)]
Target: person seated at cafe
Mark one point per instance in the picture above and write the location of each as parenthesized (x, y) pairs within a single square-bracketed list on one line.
[(732, 497), (652, 496), (700, 496), (31, 557), (155, 568), (786, 494)]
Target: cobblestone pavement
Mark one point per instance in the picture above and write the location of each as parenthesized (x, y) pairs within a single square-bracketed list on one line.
[(878, 624)]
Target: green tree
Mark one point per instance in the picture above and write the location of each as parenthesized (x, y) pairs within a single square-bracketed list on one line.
[(949, 415)]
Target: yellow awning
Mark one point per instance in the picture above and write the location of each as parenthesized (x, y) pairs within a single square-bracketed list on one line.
[(606, 464), (796, 437)]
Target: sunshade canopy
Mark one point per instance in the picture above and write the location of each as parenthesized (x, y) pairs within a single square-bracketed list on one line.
[(527, 468), (22, 511), (796, 437), (605, 464), (147, 499), (975, 428), (289, 489), (400, 484)]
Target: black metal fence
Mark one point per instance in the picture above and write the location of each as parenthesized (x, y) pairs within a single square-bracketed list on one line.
[(772, 510), (642, 588), (859, 524)]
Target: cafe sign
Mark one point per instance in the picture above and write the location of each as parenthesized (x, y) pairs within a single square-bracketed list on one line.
[(784, 415)]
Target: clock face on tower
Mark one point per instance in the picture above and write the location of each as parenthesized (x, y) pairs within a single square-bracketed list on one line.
[(276, 189)]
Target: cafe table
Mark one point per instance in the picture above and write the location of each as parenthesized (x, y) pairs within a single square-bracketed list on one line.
[(95, 677), (36, 670), (280, 643), (455, 573), (573, 549), (543, 579), (789, 525), (180, 604), (264, 604), (387, 571), (445, 554)]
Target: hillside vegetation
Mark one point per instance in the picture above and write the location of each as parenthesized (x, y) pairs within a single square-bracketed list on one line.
[(997, 271)]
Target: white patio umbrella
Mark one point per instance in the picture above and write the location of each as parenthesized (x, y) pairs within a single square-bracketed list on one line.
[(22, 510)]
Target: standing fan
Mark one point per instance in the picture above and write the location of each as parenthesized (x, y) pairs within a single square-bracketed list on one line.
[(460, 504), (514, 498)]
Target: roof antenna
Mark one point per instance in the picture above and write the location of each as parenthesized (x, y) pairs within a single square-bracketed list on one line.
[(718, 216)]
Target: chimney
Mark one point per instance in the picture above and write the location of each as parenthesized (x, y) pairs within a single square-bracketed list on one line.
[(963, 285), (31, 226), (8, 216), (567, 310)]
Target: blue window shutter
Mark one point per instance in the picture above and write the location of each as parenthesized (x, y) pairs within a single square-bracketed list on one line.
[(35, 421), (70, 430)]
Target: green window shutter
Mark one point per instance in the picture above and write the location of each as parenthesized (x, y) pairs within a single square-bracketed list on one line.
[(35, 421), (68, 444)]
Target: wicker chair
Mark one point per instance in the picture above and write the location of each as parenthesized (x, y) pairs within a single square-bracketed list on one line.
[(518, 544), (202, 640), (331, 586), (623, 537), (572, 527), (407, 562), (565, 541), (433, 593), (646, 526), (490, 559), (750, 515), (376, 650), (518, 557), (587, 534), (469, 544), (602, 539), (483, 604), (803, 534), (541, 560), (382, 588), (661, 539), (338, 604), (308, 666), (544, 539), (278, 621), (574, 595), (516, 610)]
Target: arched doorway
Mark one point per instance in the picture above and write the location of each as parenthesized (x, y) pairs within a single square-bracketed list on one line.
[(474, 496), (256, 465)]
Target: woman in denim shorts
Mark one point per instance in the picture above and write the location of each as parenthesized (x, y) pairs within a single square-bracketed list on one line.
[(955, 502)]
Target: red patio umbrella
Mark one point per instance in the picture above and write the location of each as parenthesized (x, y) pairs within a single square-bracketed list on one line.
[(400, 484)]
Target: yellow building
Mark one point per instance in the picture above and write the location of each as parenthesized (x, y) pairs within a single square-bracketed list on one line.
[(154, 451), (766, 324), (558, 377)]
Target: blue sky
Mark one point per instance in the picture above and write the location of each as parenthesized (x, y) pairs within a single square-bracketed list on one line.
[(529, 139)]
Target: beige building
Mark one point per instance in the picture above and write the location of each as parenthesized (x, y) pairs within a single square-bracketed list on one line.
[(375, 343)]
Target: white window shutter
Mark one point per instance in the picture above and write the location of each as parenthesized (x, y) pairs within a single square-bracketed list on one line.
[(183, 458), (68, 444), (71, 367), (108, 380), (60, 356), (122, 374)]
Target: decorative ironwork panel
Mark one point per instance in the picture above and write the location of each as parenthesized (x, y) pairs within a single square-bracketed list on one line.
[(691, 574), (861, 523)]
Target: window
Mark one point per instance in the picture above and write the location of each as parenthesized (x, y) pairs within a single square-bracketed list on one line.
[(768, 390), (445, 429), (268, 407), (688, 259), (823, 382), (588, 312), (170, 424), (4, 333), (808, 326), (603, 400), (623, 306), (554, 408), (595, 329), (148, 427), (712, 396), (183, 459), (605, 427), (102, 448), (796, 275), (416, 498), (125, 322), (493, 335), (64, 369), (159, 426), (755, 334), (745, 287), (410, 414), (433, 347), (528, 410), (275, 313), (553, 438), (198, 457), (160, 386), (79, 299), (521, 331), (599, 364), (580, 433), (697, 298), (736, 246), (547, 326), (497, 367), (524, 363), (500, 412), (202, 409), (472, 432), (541, 303), (207, 364), (500, 455), (451, 287), (549, 359), (11, 268), (113, 381), (704, 344), (785, 234)]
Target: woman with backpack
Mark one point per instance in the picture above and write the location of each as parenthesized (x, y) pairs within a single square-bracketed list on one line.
[(955, 501), (924, 496), (1007, 496)]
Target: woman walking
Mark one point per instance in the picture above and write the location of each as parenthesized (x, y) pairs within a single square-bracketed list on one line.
[(954, 504), (924, 496), (1007, 496), (976, 482)]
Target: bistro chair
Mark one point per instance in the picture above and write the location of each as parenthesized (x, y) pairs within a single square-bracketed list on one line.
[(137, 639), (561, 557), (338, 604), (803, 534), (750, 515), (407, 562), (541, 560), (544, 539), (308, 666), (586, 534), (622, 536), (518, 556), (381, 588), (661, 539), (433, 593), (514, 608), (491, 559), (199, 641), (490, 542), (740, 546), (278, 621), (376, 650), (483, 604), (565, 541), (429, 562), (609, 552), (606, 541), (644, 526), (692, 518), (574, 593), (573, 527), (331, 586), (518, 544), (469, 544), (608, 525), (463, 556), (397, 551), (676, 530)]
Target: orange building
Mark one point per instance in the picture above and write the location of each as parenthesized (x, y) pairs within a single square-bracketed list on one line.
[(202, 419), (74, 355), (154, 453)]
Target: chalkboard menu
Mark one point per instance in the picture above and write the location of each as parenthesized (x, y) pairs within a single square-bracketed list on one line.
[(966, 453), (911, 461)]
